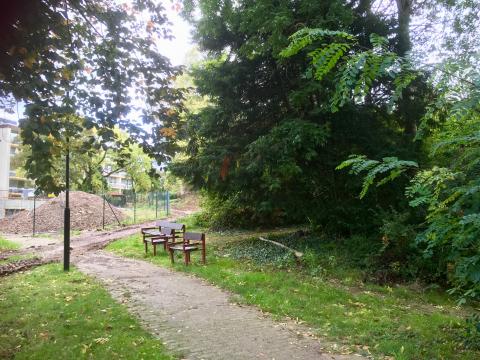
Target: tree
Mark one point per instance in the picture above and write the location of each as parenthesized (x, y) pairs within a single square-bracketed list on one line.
[(92, 165), (444, 186), (266, 147), (93, 61)]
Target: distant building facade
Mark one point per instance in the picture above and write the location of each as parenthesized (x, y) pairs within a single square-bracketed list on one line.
[(118, 182), (16, 192)]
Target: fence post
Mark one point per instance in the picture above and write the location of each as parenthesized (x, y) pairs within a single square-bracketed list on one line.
[(168, 202), (103, 213), (134, 207), (164, 196), (34, 203)]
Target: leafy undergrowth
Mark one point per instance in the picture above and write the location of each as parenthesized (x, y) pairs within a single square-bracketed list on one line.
[(50, 314), (8, 245), (398, 321)]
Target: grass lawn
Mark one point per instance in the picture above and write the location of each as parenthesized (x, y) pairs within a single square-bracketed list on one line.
[(8, 245), (49, 314), (142, 214), (398, 322), (15, 258)]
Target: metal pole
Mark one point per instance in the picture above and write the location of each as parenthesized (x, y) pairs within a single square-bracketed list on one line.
[(113, 212), (66, 218), (164, 201), (34, 202), (156, 204), (103, 215), (168, 202), (134, 206)]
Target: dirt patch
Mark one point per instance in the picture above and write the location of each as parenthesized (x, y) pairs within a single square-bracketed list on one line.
[(21, 265), (86, 214), (188, 204), (53, 252)]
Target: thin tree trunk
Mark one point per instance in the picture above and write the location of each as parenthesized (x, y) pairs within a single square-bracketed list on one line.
[(404, 45)]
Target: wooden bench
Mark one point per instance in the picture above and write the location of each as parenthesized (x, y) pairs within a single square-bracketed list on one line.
[(165, 232), (191, 242), (167, 235)]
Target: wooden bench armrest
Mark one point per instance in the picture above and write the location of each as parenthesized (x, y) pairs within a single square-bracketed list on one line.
[(149, 228)]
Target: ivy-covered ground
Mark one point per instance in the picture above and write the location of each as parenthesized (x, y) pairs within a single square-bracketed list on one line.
[(329, 293)]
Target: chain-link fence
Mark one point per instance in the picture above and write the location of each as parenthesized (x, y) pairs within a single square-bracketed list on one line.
[(89, 211), (140, 207)]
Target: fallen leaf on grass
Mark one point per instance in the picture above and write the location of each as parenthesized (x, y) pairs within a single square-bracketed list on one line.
[(101, 340)]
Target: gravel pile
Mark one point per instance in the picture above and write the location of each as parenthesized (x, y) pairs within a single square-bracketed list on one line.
[(86, 214)]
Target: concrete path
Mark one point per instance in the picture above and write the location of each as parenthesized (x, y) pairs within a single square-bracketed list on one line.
[(194, 319)]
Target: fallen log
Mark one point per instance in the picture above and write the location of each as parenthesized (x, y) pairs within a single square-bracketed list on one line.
[(21, 265), (297, 254)]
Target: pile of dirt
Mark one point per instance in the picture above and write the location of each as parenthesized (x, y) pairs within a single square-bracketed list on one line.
[(86, 214)]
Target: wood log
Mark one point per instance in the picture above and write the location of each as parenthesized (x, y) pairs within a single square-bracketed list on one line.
[(298, 254)]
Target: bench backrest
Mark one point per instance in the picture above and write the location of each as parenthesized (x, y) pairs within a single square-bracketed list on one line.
[(171, 225), (167, 231), (192, 236)]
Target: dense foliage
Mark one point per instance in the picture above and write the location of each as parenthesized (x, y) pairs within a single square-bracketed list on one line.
[(87, 65), (300, 90), (266, 147), (446, 187)]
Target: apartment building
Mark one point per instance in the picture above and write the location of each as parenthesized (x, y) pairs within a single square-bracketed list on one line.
[(118, 182), (16, 192)]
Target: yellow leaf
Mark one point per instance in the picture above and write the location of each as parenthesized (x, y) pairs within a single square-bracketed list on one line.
[(168, 132), (170, 112), (150, 26), (28, 62), (66, 74)]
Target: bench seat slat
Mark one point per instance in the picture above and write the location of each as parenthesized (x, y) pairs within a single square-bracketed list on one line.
[(187, 247)]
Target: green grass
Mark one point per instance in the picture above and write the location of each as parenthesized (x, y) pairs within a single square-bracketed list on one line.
[(143, 213), (8, 245), (15, 258), (394, 321), (49, 314)]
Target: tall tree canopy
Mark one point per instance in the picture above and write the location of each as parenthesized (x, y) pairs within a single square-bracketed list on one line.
[(443, 186), (268, 144), (98, 61)]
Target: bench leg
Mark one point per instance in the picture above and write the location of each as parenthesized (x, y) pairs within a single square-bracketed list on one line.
[(171, 256), (154, 249), (146, 246), (186, 257), (204, 255)]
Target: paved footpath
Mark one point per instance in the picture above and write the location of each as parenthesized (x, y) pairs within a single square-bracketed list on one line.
[(194, 319)]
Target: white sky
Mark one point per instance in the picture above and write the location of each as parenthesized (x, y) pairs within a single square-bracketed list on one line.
[(177, 49)]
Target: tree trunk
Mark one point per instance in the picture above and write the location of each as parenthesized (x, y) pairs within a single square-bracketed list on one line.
[(404, 45)]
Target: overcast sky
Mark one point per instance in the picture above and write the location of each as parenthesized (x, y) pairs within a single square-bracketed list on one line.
[(177, 49)]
